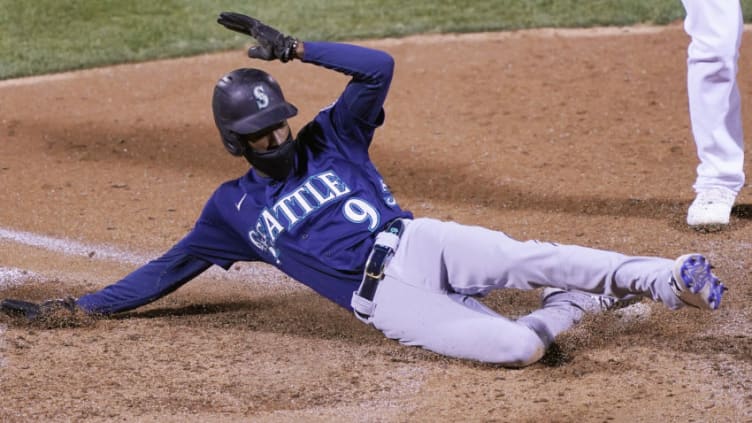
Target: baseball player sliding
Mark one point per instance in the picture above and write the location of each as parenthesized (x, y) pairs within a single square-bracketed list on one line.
[(316, 207)]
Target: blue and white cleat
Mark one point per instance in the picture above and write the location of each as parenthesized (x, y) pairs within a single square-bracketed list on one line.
[(695, 284)]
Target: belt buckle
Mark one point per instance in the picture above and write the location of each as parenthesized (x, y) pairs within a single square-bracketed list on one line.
[(378, 276)]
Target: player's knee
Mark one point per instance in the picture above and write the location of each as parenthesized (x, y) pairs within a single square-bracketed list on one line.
[(526, 349), (724, 53), (525, 355)]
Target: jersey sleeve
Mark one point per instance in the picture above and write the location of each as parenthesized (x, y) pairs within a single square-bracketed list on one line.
[(150, 282), (359, 109), (208, 243)]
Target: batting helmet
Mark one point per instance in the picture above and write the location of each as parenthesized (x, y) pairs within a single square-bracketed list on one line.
[(247, 101)]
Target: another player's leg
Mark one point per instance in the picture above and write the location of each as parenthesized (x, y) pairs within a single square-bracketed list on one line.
[(711, 209), (715, 108)]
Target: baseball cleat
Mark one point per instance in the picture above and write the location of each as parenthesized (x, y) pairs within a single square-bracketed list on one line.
[(711, 209), (694, 282), (589, 303)]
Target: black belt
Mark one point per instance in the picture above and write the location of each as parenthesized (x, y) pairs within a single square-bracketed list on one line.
[(383, 249)]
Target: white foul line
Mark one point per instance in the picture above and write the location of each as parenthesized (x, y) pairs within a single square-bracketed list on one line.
[(71, 247), (253, 272), (10, 276)]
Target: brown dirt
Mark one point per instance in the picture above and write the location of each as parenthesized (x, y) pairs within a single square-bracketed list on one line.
[(571, 136)]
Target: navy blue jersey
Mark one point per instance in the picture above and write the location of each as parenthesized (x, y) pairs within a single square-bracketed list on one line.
[(317, 226)]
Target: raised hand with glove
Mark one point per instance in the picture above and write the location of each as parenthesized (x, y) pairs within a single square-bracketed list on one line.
[(272, 44)]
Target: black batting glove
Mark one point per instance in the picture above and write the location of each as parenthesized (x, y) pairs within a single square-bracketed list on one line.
[(272, 44), (33, 311)]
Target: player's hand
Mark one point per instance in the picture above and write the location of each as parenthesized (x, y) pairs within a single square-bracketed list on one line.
[(272, 44), (33, 311)]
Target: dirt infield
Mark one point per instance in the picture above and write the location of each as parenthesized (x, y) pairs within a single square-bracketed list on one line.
[(569, 136)]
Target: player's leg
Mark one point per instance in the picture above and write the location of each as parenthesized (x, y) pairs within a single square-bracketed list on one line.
[(459, 326), (455, 325), (562, 309), (715, 27), (474, 260), (417, 303)]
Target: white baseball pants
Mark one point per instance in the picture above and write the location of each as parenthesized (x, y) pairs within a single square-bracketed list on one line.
[(715, 27), (425, 297)]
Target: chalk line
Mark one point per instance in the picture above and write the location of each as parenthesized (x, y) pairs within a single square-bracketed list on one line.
[(10, 276), (71, 247), (249, 272)]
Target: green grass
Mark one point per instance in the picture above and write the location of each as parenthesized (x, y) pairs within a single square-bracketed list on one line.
[(45, 36)]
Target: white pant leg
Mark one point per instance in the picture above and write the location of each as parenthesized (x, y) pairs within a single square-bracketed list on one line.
[(473, 260), (453, 325), (422, 300), (715, 27)]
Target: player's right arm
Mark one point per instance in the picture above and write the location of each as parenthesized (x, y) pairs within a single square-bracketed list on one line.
[(148, 283), (210, 242)]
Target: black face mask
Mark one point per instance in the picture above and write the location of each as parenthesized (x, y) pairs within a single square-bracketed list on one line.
[(276, 163)]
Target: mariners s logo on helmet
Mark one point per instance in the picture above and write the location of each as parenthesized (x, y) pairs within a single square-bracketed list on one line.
[(262, 100)]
